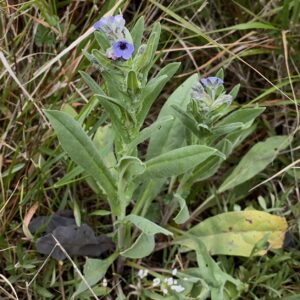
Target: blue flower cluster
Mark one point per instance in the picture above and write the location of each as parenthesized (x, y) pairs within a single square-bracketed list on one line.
[(114, 29), (209, 95)]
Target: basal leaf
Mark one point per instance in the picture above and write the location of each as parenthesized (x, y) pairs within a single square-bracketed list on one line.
[(255, 160), (237, 233)]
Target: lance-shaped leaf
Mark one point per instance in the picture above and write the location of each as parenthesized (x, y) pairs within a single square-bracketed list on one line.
[(237, 233), (244, 115), (153, 89), (83, 151), (178, 161), (254, 161), (137, 33), (111, 108), (189, 122)]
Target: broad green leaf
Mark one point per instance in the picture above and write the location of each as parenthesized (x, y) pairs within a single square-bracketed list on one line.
[(178, 161), (94, 270), (226, 128), (147, 132), (142, 247), (237, 233), (244, 115), (68, 109), (183, 213), (255, 160), (104, 141), (208, 168), (146, 226), (83, 152), (172, 135)]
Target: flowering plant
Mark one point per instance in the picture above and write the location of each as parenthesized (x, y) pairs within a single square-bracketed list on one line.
[(193, 134)]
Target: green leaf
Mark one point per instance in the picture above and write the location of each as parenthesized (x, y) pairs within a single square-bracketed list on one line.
[(147, 132), (149, 95), (102, 40), (137, 33), (244, 115), (132, 82), (178, 161), (183, 213), (147, 57), (220, 74), (189, 122), (235, 91), (237, 233), (247, 26), (83, 152), (104, 141), (142, 247), (212, 274), (112, 109), (254, 161), (94, 270), (130, 166), (208, 168), (172, 135), (146, 226), (154, 87), (226, 128), (100, 212)]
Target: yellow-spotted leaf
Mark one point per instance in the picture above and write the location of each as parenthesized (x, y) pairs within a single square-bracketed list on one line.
[(238, 233)]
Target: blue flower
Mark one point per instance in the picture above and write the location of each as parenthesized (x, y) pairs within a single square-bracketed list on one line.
[(111, 22), (105, 21), (211, 81), (122, 49)]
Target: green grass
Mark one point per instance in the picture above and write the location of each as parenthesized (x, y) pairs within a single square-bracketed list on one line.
[(257, 44)]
